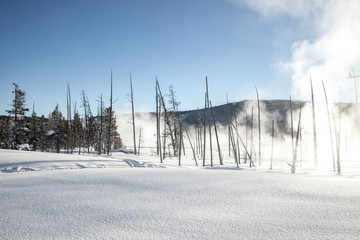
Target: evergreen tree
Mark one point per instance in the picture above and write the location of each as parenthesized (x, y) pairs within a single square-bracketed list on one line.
[(18, 110), (43, 143), (115, 140), (3, 132), (56, 130), (77, 131)]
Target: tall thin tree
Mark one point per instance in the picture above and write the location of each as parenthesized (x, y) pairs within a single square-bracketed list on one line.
[(133, 113), (272, 143), (69, 143), (110, 117), (291, 125), (217, 137), (209, 124), (314, 126), (330, 128), (258, 102), (18, 110), (101, 111)]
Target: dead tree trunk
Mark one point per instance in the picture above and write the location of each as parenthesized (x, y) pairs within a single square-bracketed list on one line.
[(209, 124), (234, 145), (314, 127), (110, 117), (133, 114), (164, 142), (258, 102), (337, 136), (330, 129), (229, 129), (139, 145), (293, 167), (246, 134), (101, 125), (272, 143), (204, 152), (192, 148), (180, 143), (237, 140), (217, 137), (251, 132), (246, 150), (158, 123), (69, 122), (291, 125), (167, 119), (86, 132)]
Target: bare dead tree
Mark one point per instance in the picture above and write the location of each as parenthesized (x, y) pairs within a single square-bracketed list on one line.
[(180, 143), (251, 132), (246, 133), (314, 126), (200, 140), (110, 117), (167, 121), (246, 150), (140, 139), (234, 145), (258, 102), (69, 122), (337, 136), (237, 139), (216, 134), (272, 143), (293, 167), (164, 141), (229, 128), (229, 140), (86, 118), (157, 113), (330, 129), (192, 148), (204, 152), (291, 125), (101, 124), (209, 124), (133, 113)]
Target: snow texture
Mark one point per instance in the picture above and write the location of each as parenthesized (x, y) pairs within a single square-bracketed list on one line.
[(59, 196)]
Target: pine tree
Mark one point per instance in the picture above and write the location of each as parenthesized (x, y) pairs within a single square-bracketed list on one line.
[(3, 132), (77, 131), (18, 110), (115, 140), (56, 130), (43, 143)]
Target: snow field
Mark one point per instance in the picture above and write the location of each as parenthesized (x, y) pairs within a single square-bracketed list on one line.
[(120, 202)]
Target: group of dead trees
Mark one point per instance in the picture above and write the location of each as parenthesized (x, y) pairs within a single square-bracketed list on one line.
[(171, 131), (92, 133), (168, 124), (334, 133)]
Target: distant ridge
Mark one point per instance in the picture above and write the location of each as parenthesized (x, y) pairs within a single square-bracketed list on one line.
[(272, 107)]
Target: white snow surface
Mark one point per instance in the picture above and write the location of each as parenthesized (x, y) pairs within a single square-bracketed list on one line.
[(62, 196)]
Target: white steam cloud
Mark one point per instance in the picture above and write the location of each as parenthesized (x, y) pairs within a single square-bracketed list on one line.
[(332, 51)]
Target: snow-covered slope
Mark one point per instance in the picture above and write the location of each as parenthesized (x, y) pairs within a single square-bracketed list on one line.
[(125, 197)]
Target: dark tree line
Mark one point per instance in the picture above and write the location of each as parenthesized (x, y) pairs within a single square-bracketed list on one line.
[(83, 131)]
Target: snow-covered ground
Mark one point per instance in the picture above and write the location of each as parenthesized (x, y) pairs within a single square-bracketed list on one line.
[(61, 196)]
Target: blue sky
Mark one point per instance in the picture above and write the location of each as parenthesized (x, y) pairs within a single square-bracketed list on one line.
[(45, 45)]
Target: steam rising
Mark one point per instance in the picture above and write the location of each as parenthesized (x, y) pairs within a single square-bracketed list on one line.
[(332, 51)]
